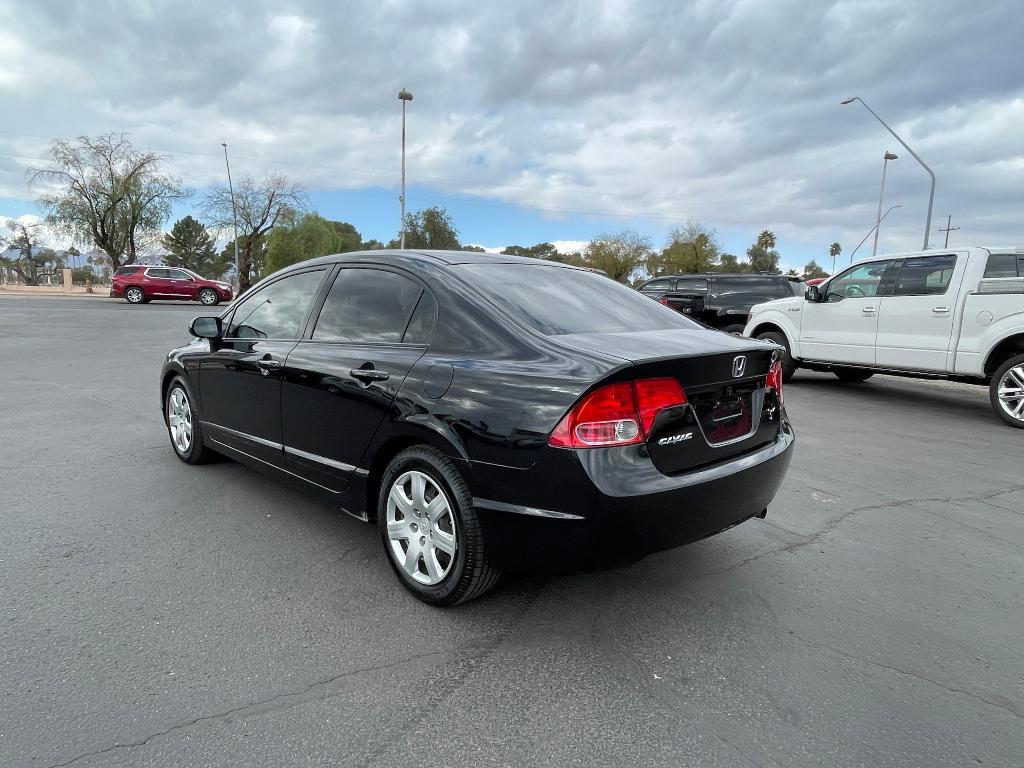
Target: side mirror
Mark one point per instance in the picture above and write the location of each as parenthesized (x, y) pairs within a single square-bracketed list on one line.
[(205, 327), (811, 294)]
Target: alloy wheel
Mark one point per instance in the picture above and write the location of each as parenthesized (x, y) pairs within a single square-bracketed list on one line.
[(1011, 392), (208, 297), (134, 295), (421, 528), (179, 420)]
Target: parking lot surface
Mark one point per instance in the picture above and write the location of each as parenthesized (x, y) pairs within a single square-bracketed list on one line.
[(157, 614)]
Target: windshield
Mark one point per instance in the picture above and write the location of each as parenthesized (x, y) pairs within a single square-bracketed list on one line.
[(558, 301)]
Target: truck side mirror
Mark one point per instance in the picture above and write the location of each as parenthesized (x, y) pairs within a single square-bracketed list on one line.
[(811, 294)]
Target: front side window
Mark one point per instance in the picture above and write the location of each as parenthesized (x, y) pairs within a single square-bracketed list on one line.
[(368, 306), (862, 281), (656, 286), (160, 274), (178, 274), (925, 276), (277, 311)]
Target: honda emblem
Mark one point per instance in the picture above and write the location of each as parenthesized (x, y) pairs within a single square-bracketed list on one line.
[(739, 366)]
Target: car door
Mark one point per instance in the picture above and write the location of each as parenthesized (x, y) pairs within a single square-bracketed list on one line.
[(915, 323), (180, 284), (341, 380), (240, 380), (841, 326), (157, 283)]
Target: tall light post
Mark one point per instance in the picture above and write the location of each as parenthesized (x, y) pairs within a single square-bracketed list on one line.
[(931, 195), (234, 215), (878, 218), (403, 96), (864, 240)]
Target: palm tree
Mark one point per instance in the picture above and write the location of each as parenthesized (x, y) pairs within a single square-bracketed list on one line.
[(834, 250)]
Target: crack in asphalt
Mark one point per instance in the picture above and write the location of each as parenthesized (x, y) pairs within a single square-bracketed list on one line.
[(832, 524), (262, 705), (1010, 707)]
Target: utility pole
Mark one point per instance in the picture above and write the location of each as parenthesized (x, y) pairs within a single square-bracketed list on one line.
[(404, 96), (948, 229), (234, 215)]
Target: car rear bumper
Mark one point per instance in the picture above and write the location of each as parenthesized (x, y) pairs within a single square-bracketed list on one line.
[(630, 509), (116, 291)]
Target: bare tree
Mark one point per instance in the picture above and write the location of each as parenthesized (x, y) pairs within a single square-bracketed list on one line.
[(260, 206), (109, 194), (33, 260)]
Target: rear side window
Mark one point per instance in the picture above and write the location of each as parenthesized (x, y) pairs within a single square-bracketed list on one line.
[(559, 300), (925, 276), (758, 287), (121, 271), (692, 285), (369, 305), (1004, 265), (657, 285), (277, 311), (159, 273)]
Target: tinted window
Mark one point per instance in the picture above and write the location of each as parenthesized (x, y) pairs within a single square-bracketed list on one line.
[(858, 282), (277, 311), (127, 270), (925, 276), (765, 287), (367, 305), (690, 285), (557, 300), (159, 273), (657, 285), (1002, 265), (178, 274)]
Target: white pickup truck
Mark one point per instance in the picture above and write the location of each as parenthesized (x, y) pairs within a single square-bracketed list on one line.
[(956, 314)]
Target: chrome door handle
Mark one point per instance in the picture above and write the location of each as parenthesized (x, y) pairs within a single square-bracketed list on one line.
[(266, 365), (369, 374), (868, 310), (940, 310)]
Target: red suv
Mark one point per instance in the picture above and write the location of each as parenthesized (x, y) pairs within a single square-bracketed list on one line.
[(138, 284)]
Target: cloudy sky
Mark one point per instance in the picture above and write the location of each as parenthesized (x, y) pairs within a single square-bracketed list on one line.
[(549, 121)]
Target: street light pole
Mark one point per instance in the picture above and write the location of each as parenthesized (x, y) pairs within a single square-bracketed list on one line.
[(864, 240), (878, 219), (931, 195), (403, 96), (234, 215)]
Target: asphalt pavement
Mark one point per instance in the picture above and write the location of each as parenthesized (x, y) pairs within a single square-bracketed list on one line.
[(155, 614)]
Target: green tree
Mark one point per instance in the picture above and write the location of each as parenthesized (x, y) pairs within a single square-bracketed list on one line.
[(813, 270), (762, 256), (691, 247), (618, 255), (190, 245), (260, 206), (474, 248), (109, 194), (834, 250), (792, 273), (371, 245), (310, 236), (730, 264), (431, 228), (544, 251)]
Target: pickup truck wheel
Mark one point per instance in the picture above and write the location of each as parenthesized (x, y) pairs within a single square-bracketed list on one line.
[(1007, 391), (853, 374), (788, 363)]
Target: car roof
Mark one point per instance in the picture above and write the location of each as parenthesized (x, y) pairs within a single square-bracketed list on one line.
[(425, 256), (706, 275)]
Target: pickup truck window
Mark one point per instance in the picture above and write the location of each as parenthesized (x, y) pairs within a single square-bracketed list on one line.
[(925, 276), (858, 282), (692, 285), (1004, 265), (656, 285)]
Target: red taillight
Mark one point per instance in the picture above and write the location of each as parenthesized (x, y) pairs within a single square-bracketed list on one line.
[(774, 379), (617, 414), (663, 300)]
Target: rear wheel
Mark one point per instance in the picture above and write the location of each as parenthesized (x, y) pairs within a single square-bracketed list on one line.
[(430, 530), (134, 295), (208, 296), (1007, 391), (788, 363), (853, 375)]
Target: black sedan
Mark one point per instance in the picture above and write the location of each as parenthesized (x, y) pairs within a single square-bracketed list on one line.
[(489, 413)]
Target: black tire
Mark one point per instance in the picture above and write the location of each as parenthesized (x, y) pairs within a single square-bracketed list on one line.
[(853, 375), (196, 452), (470, 575), (994, 387), (134, 295), (208, 292), (789, 365)]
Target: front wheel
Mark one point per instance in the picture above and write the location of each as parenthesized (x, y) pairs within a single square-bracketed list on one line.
[(208, 296), (182, 427), (853, 375), (788, 363), (430, 531), (1006, 392)]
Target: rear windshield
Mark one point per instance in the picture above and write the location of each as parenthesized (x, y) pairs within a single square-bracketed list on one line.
[(557, 301)]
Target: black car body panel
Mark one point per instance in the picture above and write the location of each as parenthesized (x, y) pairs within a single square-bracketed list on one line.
[(718, 300), (487, 389)]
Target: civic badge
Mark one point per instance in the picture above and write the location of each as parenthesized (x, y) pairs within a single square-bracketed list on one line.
[(739, 366)]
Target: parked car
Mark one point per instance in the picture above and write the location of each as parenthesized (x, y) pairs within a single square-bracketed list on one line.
[(813, 281), (955, 314), (139, 284), (489, 413), (719, 301)]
